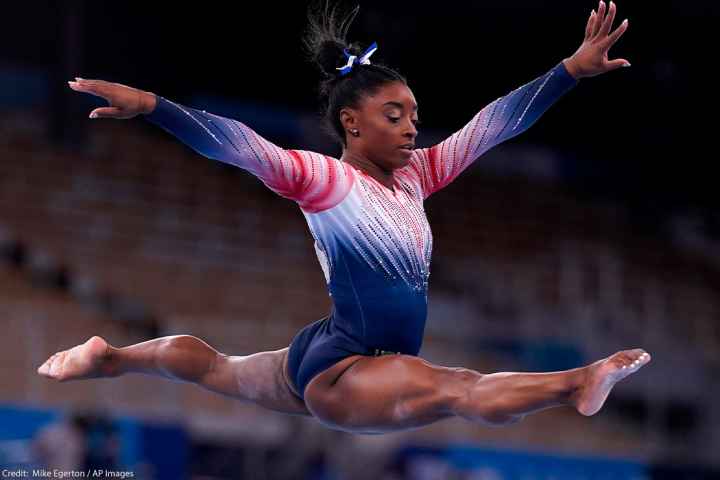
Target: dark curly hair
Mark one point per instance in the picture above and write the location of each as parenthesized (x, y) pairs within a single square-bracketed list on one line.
[(325, 42)]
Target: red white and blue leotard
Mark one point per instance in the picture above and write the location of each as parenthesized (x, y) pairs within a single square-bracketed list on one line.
[(373, 244)]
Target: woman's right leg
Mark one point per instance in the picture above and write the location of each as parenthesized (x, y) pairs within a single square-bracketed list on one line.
[(258, 378), (391, 393)]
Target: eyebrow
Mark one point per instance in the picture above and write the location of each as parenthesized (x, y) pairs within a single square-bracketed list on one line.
[(399, 105)]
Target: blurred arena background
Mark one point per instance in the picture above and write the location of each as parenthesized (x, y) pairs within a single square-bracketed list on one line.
[(596, 230)]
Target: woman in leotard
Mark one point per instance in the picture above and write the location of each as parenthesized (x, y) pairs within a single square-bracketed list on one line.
[(358, 369)]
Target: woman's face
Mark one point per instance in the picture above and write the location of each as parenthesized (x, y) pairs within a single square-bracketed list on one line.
[(387, 126)]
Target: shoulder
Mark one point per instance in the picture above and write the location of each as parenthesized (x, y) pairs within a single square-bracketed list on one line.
[(324, 181)]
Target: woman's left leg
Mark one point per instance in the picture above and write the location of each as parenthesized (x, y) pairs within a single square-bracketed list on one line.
[(258, 378), (399, 392)]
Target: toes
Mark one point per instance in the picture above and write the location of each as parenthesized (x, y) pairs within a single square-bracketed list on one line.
[(641, 357), (639, 360), (46, 368), (53, 366), (634, 359), (56, 364), (48, 365), (43, 369)]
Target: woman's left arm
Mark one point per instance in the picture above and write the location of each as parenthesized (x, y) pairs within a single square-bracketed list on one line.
[(515, 112)]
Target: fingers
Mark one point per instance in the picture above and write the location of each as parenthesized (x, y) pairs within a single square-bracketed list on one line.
[(99, 88), (614, 36), (615, 64), (93, 87), (106, 112), (590, 25), (599, 18), (607, 22)]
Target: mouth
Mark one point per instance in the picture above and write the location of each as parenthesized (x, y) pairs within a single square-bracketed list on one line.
[(408, 146)]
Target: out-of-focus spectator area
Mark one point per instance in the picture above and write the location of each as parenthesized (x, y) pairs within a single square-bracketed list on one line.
[(596, 230), (132, 235)]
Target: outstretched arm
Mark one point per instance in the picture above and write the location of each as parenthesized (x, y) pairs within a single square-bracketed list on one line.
[(313, 180), (501, 120), (508, 116), (233, 142)]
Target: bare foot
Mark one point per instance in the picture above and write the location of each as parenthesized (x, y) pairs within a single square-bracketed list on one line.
[(602, 376), (84, 361)]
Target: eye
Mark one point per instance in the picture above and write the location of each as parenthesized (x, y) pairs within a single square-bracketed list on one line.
[(397, 119)]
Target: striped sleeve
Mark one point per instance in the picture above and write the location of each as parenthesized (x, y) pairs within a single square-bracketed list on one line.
[(315, 181), (437, 166)]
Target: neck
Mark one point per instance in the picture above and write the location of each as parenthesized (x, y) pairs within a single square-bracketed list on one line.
[(363, 163)]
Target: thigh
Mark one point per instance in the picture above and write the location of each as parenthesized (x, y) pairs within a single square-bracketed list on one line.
[(387, 393), (259, 378)]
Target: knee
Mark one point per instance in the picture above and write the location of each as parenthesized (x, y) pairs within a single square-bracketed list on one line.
[(484, 409), (460, 386), (187, 345), (186, 357)]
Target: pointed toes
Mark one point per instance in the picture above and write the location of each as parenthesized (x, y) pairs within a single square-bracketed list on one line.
[(634, 359), (642, 358), (51, 367), (44, 369)]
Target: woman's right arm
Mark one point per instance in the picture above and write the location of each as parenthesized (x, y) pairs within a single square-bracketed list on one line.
[(315, 181)]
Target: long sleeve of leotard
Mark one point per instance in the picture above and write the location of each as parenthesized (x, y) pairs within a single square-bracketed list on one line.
[(506, 117), (313, 180)]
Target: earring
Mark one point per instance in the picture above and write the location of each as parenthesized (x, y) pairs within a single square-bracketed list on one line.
[(354, 132)]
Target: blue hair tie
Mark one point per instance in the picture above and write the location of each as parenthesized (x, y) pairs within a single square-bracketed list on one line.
[(352, 59)]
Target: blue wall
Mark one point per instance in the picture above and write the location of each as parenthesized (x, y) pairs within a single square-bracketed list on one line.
[(160, 450)]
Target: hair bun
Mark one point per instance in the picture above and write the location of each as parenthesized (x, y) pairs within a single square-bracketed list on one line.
[(325, 39), (330, 55)]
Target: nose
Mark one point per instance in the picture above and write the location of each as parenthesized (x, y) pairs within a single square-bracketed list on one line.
[(411, 132)]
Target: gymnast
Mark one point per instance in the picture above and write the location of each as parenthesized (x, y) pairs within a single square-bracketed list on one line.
[(358, 369)]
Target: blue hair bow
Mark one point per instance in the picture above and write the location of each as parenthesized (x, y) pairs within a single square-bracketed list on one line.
[(351, 59)]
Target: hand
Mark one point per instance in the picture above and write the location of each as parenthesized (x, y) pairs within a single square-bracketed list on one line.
[(592, 57), (124, 102)]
